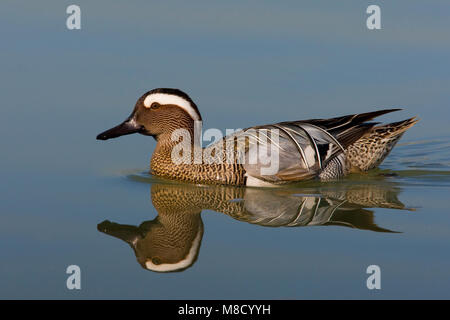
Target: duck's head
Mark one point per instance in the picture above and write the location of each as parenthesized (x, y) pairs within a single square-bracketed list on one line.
[(157, 112)]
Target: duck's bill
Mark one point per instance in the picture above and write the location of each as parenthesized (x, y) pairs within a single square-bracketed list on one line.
[(127, 127)]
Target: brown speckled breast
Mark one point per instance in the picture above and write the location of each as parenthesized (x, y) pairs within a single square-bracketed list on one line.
[(224, 173)]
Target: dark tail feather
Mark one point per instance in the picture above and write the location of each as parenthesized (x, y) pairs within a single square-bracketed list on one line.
[(348, 129), (339, 124), (353, 134), (362, 117)]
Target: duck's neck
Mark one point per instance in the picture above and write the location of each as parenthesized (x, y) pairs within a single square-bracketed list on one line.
[(184, 136), (168, 140), (169, 162), (166, 160)]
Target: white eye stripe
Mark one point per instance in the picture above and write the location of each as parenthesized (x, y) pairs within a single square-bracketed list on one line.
[(164, 98)]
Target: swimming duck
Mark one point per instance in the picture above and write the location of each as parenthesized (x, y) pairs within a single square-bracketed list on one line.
[(292, 151)]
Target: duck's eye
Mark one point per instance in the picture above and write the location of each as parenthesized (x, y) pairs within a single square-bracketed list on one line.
[(155, 105), (156, 261)]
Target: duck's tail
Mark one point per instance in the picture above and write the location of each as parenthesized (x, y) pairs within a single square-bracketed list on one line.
[(371, 149)]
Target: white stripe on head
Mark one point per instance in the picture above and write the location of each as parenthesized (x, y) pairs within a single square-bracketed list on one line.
[(165, 98)]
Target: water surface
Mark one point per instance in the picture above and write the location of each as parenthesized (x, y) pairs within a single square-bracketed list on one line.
[(69, 199)]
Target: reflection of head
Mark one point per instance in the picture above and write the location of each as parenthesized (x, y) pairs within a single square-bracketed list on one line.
[(164, 244), (172, 259)]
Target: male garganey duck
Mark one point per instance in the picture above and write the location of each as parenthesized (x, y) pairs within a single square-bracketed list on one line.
[(265, 155)]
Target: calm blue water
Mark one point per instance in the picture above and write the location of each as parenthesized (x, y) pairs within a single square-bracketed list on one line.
[(244, 63)]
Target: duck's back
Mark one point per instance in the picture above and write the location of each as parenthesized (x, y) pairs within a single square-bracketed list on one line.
[(302, 150)]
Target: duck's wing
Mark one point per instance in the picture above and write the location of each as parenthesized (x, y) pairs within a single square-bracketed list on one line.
[(297, 150), (292, 151), (340, 125)]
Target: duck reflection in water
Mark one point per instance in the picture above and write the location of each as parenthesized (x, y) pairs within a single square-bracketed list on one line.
[(171, 241)]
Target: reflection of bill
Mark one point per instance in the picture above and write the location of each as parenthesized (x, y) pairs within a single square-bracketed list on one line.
[(171, 242)]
